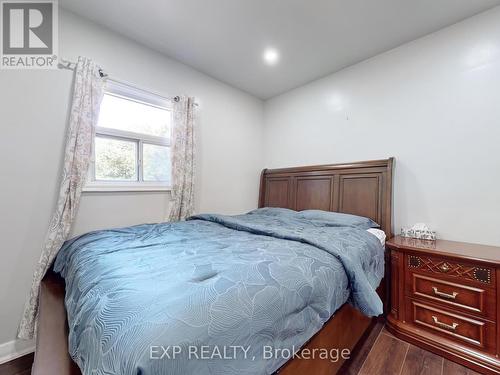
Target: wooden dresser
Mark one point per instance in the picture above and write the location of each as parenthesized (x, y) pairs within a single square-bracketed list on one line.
[(445, 298)]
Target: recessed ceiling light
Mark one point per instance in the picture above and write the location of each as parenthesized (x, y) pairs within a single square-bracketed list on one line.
[(271, 56)]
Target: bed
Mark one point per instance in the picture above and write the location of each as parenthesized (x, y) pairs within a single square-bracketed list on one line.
[(242, 271)]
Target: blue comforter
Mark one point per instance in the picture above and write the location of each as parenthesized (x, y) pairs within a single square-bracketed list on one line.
[(211, 295)]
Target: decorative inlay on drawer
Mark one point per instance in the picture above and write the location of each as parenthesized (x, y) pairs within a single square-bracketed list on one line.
[(450, 268)]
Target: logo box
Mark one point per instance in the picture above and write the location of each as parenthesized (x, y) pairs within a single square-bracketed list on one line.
[(29, 34)]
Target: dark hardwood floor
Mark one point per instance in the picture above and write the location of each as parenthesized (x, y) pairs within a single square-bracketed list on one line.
[(389, 355), (20, 366), (380, 354)]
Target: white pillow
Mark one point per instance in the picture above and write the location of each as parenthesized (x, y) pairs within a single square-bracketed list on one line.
[(380, 234)]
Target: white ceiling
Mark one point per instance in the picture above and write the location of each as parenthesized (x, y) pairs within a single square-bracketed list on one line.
[(226, 38)]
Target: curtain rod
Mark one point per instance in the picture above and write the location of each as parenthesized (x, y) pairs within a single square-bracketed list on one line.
[(70, 65)]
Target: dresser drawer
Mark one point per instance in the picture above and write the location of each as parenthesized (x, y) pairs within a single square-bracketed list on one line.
[(472, 332), (464, 273), (456, 296)]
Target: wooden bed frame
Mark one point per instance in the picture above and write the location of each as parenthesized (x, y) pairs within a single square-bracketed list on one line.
[(361, 188)]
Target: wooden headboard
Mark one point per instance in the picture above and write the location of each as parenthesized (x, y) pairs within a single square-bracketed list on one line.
[(360, 188)]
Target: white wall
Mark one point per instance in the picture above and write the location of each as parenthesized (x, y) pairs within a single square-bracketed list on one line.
[(434, 104), (34, 110)]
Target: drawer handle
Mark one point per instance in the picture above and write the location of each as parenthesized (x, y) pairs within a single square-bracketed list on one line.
[(448, 327), (444, 295)]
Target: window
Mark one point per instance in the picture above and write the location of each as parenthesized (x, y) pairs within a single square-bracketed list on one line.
[(132, 142)]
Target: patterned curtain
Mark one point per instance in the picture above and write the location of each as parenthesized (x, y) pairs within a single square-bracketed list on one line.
[(87, 96), (183, 138)]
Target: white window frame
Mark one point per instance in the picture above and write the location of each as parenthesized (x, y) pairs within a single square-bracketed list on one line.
[(144, 97)]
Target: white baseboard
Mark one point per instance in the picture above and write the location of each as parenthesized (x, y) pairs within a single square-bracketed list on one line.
[(15, 349)]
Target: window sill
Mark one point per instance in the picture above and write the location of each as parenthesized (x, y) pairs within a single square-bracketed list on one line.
[(99, 188)]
